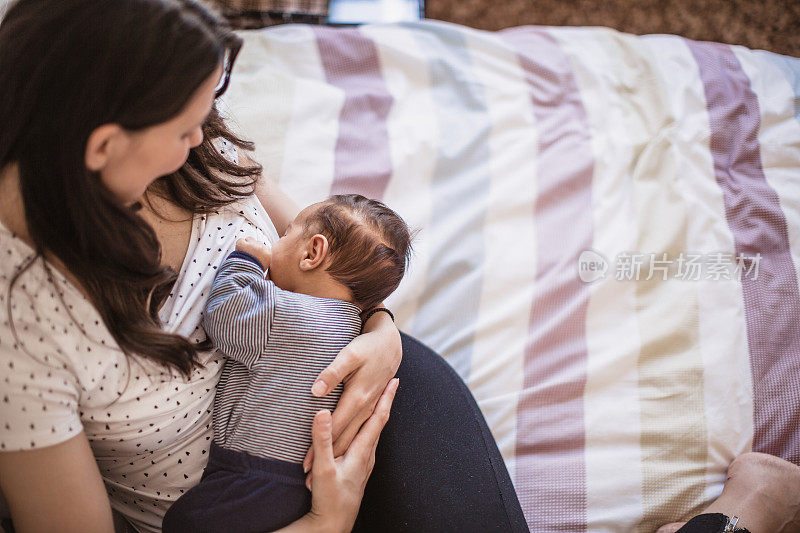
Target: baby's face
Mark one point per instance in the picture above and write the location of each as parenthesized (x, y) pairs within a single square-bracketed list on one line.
[(287, 253)]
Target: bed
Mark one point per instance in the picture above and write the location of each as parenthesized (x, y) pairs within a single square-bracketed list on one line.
[(609, 237)]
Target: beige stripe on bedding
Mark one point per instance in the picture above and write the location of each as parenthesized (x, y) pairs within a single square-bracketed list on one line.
[(672, 407)]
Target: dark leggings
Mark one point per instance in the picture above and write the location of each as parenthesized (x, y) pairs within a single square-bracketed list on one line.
[(437, 466)]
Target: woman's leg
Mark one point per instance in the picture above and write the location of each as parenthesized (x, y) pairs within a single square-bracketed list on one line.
[(762, 490), (437, 466)]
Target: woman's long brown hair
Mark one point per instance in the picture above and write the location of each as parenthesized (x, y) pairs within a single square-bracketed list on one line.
[(69, 66)]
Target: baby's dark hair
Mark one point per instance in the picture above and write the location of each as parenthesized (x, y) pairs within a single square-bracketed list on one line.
[(370, 245)]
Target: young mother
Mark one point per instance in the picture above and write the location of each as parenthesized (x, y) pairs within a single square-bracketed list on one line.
[(121, 190)]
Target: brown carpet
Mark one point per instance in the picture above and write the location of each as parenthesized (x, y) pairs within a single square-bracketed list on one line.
[(766, 24)]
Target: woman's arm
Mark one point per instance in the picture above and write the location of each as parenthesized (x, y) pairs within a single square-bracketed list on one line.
[(63, 480), (762, 490), (280, 208), (364, 366)]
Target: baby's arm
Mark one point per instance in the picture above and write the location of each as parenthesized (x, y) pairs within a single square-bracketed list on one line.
[(239, 309)]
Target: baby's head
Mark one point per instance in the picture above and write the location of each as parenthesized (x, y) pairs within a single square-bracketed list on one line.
[(346, 242)]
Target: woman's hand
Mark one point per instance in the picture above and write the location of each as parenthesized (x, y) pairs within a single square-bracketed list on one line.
[(365, 366), (338, 483)]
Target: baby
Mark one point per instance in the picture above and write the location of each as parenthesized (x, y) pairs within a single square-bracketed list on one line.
[(337, 259)]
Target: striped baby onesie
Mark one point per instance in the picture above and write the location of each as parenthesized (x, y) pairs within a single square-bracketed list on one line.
[(277, 343)]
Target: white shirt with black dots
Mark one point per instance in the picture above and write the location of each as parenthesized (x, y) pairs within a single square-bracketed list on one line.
[(62, 372)]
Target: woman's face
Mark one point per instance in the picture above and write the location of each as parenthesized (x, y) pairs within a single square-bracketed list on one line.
[(146, 155)]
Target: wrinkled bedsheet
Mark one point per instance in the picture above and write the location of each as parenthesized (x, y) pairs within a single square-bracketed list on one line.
[(609, 237)]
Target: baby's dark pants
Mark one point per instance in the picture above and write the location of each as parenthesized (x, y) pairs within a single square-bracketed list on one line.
[(240, 493)]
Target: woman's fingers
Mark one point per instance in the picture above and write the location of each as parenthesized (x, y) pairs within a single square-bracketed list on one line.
[(337, 485), (354, 408), (365, 367), (371, 462), (368, 433), (355, 405), (350, 413), (342, 442), (322, 442), (345, 363), (366, 440), (308, 460)]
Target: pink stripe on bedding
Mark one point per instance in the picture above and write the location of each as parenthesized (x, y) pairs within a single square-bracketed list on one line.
[(362, 160), (550, 465), (753, 211)]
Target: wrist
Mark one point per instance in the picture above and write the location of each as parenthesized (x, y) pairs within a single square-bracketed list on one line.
[(377, 318), (311, 523), (314, 523), (241, 254), (308, 523)]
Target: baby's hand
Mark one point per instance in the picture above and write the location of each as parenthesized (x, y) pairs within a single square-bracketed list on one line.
[(258, 250)]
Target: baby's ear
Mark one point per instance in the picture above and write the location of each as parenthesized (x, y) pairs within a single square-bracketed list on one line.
[(316, 252)]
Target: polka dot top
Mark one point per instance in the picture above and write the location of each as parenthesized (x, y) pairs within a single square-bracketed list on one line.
[(63, 373)]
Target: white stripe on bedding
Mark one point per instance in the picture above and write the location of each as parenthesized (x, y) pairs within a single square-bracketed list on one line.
[(265, 118), (496, 374), (413, 145), (307, 173), (307, 168), (611, 397), (779, 131), (727, 380), (446, 317)]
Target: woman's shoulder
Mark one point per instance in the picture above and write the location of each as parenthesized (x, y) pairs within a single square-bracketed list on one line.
[(226, 149), (56, 355), (62, 373), (248, 207), (41, 387)]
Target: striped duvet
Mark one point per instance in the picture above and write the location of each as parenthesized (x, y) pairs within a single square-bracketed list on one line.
[(561, 180)]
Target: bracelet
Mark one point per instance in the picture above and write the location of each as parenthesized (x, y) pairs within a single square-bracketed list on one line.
[(376, 310), (731, 524)]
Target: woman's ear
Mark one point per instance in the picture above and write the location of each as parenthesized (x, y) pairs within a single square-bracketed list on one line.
[(104, 142), (316, 252)]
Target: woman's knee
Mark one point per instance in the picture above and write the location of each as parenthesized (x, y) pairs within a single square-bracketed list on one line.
[(421, 363), (763, 469), (761, 490)]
